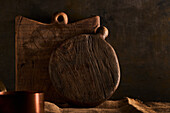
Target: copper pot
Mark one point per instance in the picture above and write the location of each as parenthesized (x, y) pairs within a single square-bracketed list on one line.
[(21, 102)]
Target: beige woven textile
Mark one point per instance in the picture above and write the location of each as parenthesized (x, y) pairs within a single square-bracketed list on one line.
[(127, 105)]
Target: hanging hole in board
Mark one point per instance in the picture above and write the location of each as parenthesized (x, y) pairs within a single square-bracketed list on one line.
[(60, 18)]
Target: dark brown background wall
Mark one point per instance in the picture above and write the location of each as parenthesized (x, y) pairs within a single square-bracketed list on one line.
[(139, 32)]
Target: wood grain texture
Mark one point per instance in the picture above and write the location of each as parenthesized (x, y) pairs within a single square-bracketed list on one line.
[(34, 43), (85, 70)]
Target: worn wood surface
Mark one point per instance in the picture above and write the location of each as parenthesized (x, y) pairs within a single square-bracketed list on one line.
[(85, 70), (34, 43)]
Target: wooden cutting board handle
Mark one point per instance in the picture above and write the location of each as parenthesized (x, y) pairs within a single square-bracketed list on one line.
[(60, 18), (102, 32)]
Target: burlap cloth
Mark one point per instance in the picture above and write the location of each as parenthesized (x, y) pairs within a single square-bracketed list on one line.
[(127, 105)]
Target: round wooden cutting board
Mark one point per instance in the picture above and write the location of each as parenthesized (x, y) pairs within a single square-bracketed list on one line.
[(84, 70)]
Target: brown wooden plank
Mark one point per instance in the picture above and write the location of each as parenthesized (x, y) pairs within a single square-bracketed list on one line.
[(34, 43)]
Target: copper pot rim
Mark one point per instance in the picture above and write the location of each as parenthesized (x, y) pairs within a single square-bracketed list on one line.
[(21, 93)]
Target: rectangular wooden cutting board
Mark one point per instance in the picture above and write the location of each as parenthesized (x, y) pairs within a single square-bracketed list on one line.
[(32, 72)]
